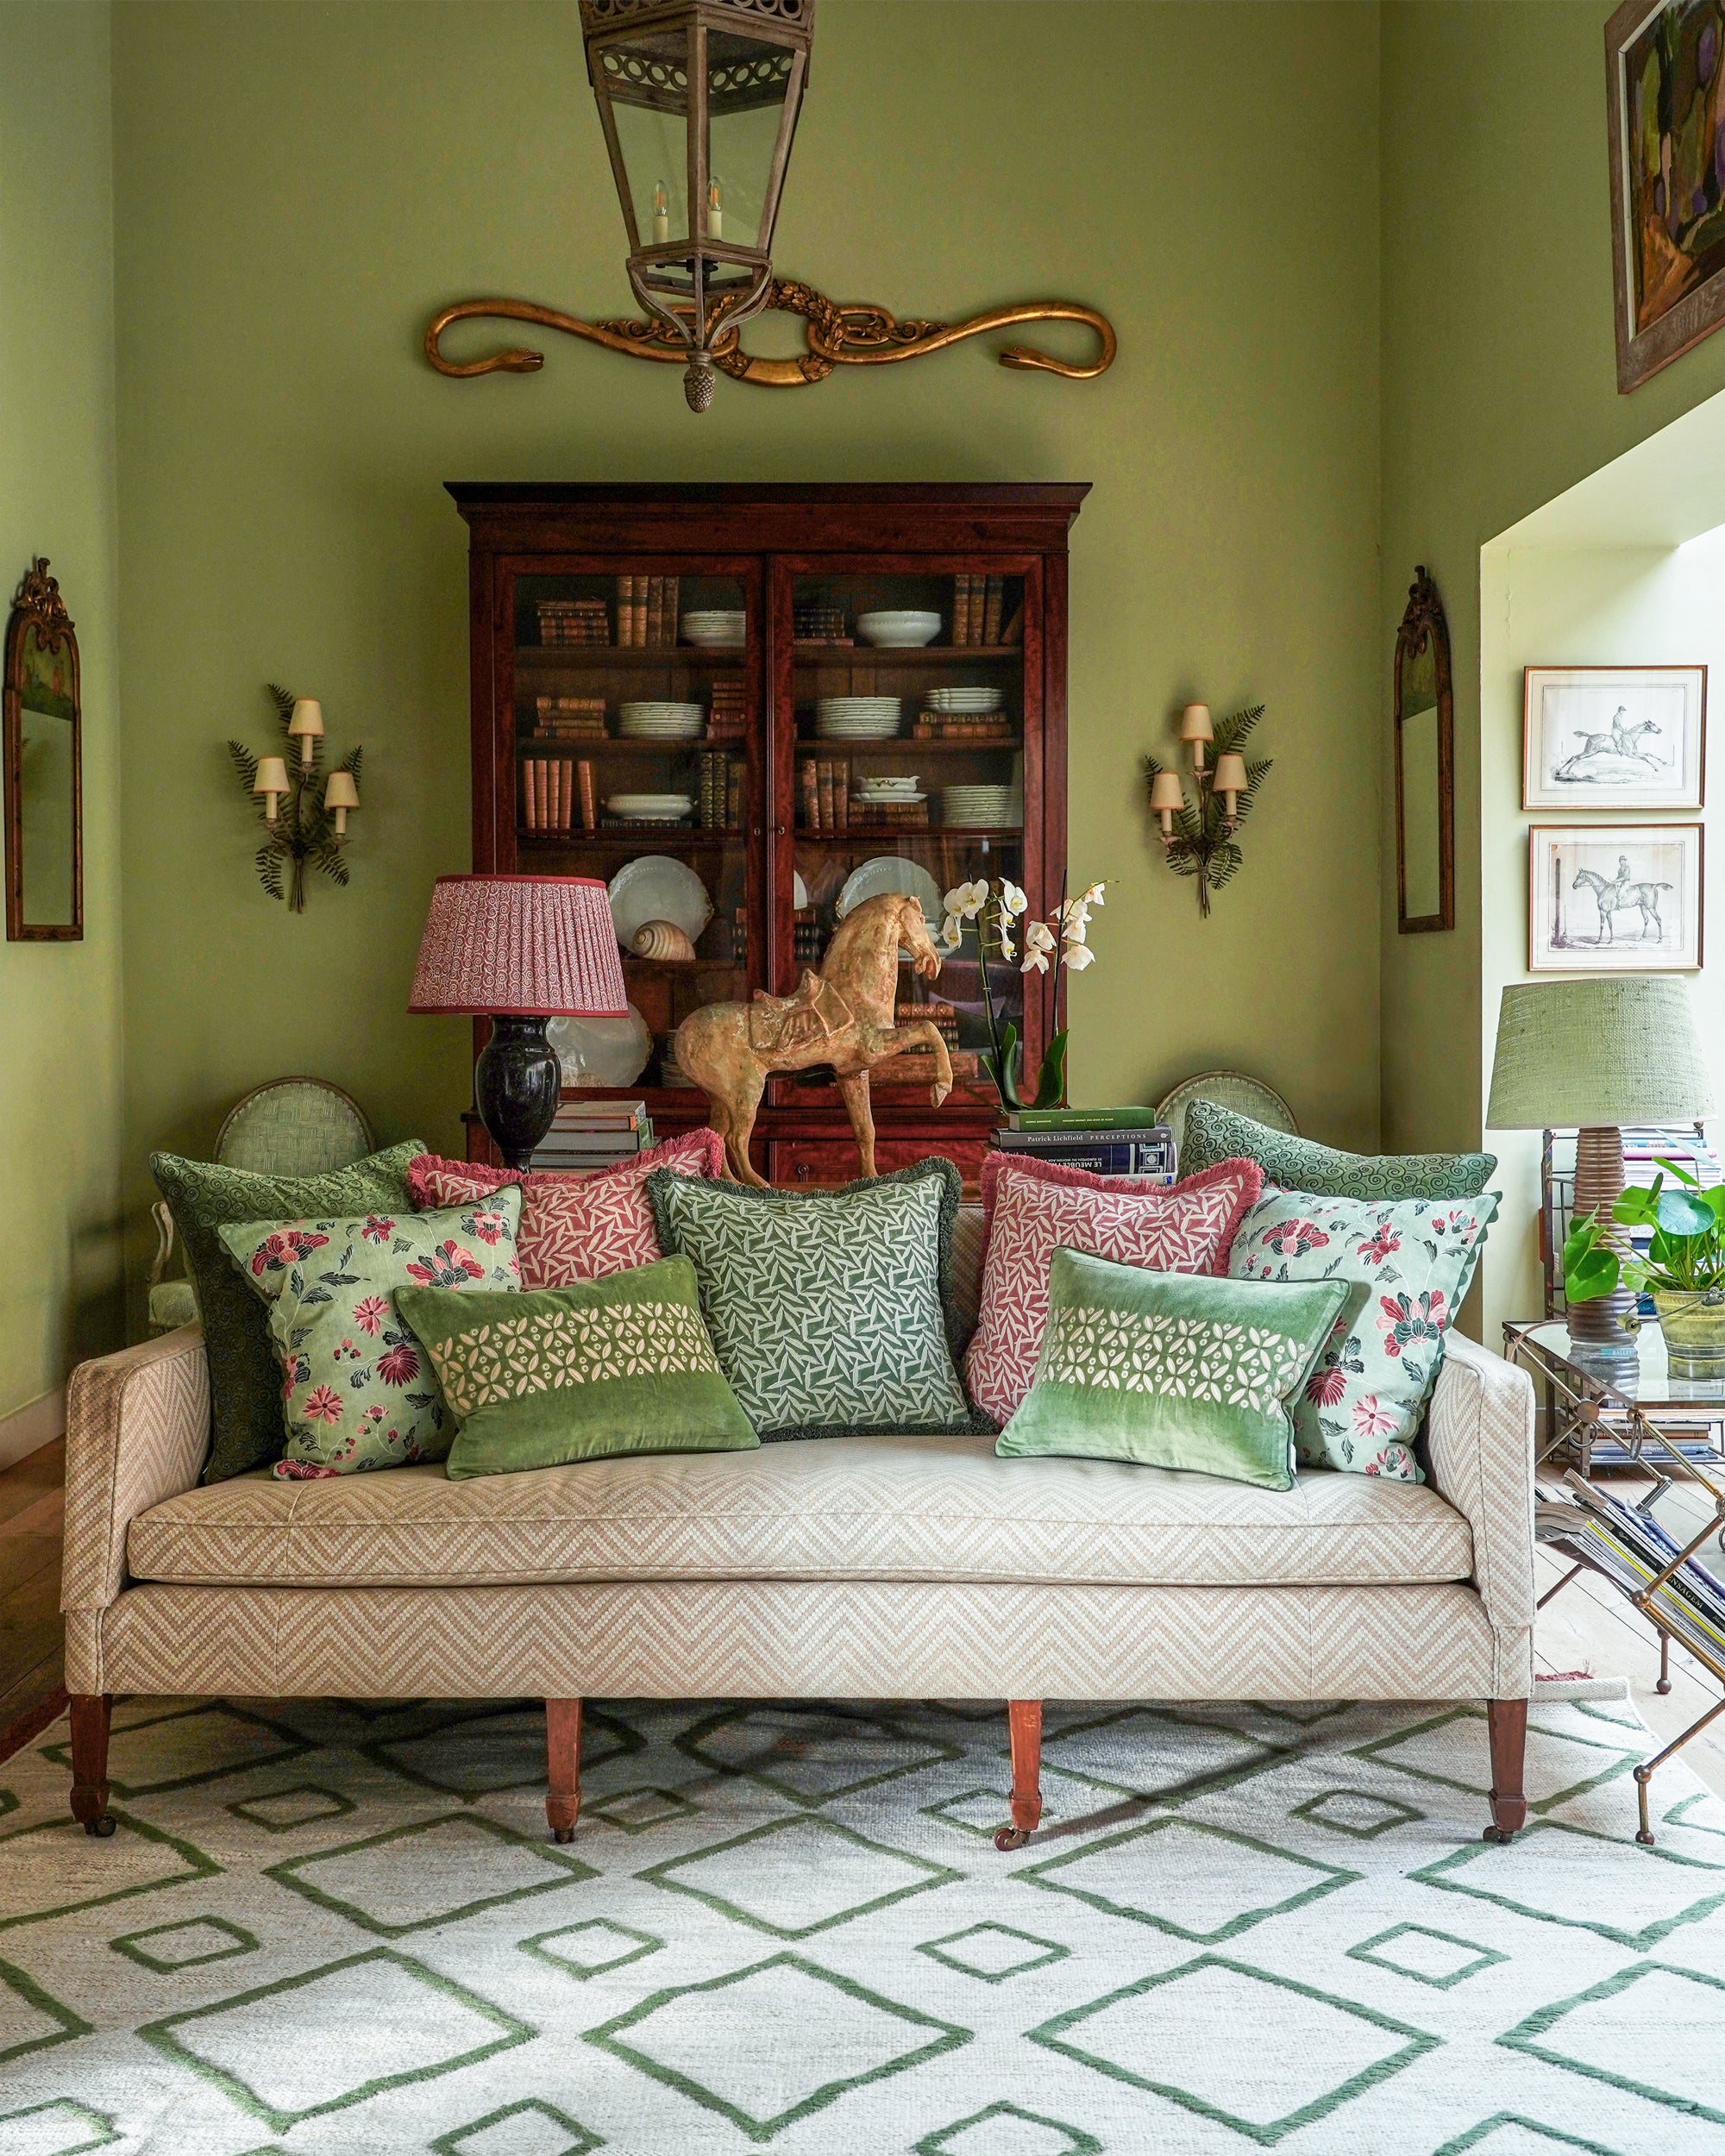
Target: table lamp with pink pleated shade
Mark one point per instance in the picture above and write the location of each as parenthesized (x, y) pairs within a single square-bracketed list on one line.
[(519, 950)]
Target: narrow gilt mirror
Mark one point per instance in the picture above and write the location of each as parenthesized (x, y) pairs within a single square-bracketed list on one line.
[(1424, 757), (44, 768)]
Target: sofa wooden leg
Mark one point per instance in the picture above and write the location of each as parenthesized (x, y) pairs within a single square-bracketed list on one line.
[(1024, 1718), (563, 1764), (90, 1711), (1506, 1722)]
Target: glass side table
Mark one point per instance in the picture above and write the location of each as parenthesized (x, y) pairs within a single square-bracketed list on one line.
[(1630, 1415)]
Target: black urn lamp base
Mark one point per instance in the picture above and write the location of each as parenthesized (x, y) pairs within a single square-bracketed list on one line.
[(516, 1083)]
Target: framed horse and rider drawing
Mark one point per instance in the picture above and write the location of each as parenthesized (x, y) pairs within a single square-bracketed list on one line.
[(1614, 737), (1614, 898)]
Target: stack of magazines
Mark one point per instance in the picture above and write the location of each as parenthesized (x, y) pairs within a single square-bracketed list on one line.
[(1106, 1141), (588, 1136), (1631, 1549)]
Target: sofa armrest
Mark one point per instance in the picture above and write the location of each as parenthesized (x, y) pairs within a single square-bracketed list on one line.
[(1480, 1444), (137, 1430)]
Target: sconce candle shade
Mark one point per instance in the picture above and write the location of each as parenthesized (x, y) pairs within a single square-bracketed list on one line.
[(307, 718), (1230, 779), (1593, 1054), (272, 776), (1194, 724), (1167, 797), (340, 795), (530, 946)]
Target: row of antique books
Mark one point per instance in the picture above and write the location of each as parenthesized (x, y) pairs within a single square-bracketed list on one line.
[(824, 782), (977, 605), (943, 726), (727, 717), (647, 610), (552, 787), (719, 804)]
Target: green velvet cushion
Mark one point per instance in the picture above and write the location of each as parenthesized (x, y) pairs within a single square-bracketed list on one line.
[(1172, 1370), (1215, 1133), (245, 1378), (831, 1311), (622, 1365), (353, 1387)]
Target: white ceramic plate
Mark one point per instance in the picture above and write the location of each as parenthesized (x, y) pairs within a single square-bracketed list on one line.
[(854, 703), (799, 892), (898, 628), (972, 702), (655, 887), (648, 803), (888, 872)]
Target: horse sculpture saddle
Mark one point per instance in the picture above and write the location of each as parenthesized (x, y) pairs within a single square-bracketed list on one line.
[(789, 1025)]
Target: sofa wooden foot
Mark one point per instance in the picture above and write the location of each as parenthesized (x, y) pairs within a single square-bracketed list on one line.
[(1506, 1722), (90, 1713), (1024, 1718), (563, 1766)]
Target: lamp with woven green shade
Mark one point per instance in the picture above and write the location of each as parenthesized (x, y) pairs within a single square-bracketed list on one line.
[(1597, 1054)]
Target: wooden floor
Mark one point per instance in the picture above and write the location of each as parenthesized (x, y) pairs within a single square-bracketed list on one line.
[(1587, 1627)]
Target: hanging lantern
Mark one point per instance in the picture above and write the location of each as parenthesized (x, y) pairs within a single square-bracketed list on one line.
[(699, 101)]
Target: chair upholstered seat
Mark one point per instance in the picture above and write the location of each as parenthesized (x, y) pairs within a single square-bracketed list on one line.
[(875, 1508)]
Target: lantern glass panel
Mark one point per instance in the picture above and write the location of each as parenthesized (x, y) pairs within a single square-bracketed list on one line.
[(646, 80), (748, 81)]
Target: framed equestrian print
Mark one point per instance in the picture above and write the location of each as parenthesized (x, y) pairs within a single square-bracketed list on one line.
[(1614, 737), (1614, 898)]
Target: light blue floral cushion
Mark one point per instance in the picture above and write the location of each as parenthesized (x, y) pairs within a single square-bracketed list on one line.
[(358, 1390), (1407, 1267)]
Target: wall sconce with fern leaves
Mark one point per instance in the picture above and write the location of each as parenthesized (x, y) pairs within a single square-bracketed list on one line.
[(1201, 842), (304, 812)]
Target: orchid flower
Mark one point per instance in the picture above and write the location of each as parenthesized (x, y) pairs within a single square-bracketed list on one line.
[(1076, 955), (1008, 949), (1012, 900), (966, 900), (1038, 942)]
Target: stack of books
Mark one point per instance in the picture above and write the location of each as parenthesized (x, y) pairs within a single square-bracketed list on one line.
[(548, 793), (568, 718), (647, 610), (573, 621), (943, 726), (806, 944), (720, 807), (942, 1016), (1106, 1141), (825, 784), (888, 816), (1631, 1549), (727, 717), (819, 625), (588, 1136)]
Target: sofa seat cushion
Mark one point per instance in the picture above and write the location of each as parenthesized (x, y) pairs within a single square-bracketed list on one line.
[(865, 1508)]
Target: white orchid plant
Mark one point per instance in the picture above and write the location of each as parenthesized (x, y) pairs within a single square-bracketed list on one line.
[(999, 914)]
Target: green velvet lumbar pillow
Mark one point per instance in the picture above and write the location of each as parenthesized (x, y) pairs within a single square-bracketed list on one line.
[(203, 1196), (1172, 1370), (354, 1391), (1216, 1133), (618, 1365), (831, 1311)]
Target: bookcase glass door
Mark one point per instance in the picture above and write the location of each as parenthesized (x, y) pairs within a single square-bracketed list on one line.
[(636, 750), (908, 694)]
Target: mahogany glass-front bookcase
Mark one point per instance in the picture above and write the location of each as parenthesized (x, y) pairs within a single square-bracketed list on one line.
[(672, 693)]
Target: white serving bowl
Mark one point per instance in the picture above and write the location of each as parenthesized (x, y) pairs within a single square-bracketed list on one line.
[(898, 628)]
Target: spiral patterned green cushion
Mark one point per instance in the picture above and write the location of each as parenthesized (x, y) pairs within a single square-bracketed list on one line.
[(1215, 1133)]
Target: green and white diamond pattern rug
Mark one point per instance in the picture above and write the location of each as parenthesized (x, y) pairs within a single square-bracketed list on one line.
[(324, 1929)]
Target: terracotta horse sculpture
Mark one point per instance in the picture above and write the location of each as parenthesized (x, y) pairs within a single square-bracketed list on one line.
[(845, 1016)]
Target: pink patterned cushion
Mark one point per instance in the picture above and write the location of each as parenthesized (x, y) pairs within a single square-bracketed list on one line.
[(1032, 1208), (573, 1228)]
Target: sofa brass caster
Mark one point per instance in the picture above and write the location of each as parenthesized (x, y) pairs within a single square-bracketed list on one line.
[(1011, 1838), (1645, 1840), (1502, 1835), (563, 1834), (104, 1826)]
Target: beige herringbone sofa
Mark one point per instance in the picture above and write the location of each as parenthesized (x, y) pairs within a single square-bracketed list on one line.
[(894, 1567)]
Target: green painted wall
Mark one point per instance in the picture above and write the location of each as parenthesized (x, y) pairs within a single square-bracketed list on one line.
[(1500, 391), (298, 185), (61, 1003)]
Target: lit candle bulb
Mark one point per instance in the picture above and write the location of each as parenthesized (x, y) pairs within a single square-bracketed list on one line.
[(662, 214), (1165, 796), (1195, 727), (339, 796), (1229, 779), (306, 727), (271, 783), (715, 212)]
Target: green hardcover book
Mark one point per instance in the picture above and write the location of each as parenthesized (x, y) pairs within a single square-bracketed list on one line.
[(1083, 1120)]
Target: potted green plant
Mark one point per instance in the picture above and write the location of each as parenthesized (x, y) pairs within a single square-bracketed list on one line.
[(1684, 1269)]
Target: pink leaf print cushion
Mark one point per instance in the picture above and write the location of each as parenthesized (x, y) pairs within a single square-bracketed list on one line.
[(1032, 1208), (573, 1228)]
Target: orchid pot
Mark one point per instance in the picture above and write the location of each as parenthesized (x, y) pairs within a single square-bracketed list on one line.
[(999, 915)]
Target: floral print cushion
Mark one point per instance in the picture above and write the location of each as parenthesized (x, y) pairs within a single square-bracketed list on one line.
[(1408, 1266), (357, 1389)]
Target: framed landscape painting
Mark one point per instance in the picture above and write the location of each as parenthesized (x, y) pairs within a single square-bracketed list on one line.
[(1665, 93), (1614, 898), (1614, 737)]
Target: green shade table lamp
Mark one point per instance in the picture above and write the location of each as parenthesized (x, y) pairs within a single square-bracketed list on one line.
[(1597, 1054)]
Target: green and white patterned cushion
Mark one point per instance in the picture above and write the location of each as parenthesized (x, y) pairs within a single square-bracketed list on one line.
[(587, 1372), (1172, 1370), (1216, 1133), (830, 1311), (1406, 1267), (356, 1388)]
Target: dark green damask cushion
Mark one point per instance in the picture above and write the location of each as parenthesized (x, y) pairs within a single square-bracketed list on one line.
[(830, 1311), (245, 1378), (1215, 1133), (588, 1372)]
